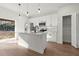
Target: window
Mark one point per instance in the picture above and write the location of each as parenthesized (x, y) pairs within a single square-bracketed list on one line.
[(7, 29)]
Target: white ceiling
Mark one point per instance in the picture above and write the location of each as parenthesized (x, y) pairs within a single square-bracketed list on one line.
[(45, 8)]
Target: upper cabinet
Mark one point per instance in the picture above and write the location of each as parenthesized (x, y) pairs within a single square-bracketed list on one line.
[(51, 20)]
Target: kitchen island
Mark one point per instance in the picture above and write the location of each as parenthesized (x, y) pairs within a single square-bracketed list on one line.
[(33, 41)]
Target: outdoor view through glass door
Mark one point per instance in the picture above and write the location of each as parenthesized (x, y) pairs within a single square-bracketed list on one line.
[(7, 29)]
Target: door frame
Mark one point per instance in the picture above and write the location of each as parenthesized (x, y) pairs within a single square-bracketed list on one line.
[(73, 29)]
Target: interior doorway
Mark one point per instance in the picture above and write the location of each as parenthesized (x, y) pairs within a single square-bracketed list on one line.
[(66, 29)]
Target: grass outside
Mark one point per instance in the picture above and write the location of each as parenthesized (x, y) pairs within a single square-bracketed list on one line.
[(7, 34)]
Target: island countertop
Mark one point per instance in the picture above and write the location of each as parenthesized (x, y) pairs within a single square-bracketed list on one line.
[(35, 41)]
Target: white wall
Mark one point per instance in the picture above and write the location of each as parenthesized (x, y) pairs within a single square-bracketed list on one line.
[(68, 10), (11, 15), (20, 24)]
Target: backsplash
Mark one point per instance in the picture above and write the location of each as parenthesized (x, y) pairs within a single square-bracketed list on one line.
[(41, 27)]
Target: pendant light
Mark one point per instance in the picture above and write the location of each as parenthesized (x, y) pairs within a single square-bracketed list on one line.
[(27, 13), (39, 8), (19, 8), (27, 10)]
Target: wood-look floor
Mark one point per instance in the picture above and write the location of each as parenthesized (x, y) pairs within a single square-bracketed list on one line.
[(53, 49)]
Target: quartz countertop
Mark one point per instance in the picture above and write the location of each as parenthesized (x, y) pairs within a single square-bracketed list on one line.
[(35, 41)]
